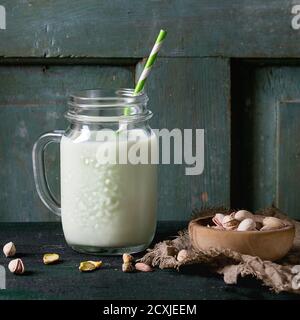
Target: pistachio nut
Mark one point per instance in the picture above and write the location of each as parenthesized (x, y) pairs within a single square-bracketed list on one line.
[(50, 258), (87, 266)]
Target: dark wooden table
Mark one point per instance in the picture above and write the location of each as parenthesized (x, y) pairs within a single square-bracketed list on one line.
[(65, 281)]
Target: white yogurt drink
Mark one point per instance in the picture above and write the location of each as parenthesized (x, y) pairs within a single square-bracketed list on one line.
[(106, 205)]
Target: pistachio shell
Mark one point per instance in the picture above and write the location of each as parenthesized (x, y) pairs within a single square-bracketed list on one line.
[(182, 255), (229, 222), (271, 223), (296, 269), (242, 214), (143, 267), (218, 218), (86, 266), (9, 249), (128, 267), (16, 266), (247, 224), (50, 258), (127, 258)]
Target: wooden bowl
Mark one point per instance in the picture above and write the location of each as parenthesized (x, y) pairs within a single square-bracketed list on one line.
[(267, 245)]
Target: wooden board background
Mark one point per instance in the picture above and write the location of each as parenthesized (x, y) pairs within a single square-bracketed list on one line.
[(265, 136), (51, 48), (118, 28)]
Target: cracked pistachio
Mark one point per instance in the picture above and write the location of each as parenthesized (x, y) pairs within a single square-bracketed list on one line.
[(127, 258), (9, 249), (16, 266), (128, 267)]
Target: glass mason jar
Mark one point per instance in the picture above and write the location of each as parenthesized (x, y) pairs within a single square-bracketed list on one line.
[(108, 187)]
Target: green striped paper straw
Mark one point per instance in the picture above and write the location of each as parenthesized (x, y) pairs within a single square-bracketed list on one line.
[(143, 77), (150, 61)]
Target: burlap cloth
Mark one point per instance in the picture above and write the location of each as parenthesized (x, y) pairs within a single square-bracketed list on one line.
[(277, 276)]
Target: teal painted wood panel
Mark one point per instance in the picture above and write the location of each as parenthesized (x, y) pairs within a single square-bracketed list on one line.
[(30, 108), (288, 166), (117, 28), (64, 47), (193, 93), (33, 101), (262, 163)]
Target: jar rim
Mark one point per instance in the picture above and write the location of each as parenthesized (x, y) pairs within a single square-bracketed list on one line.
[(101, 98), (108, 105)]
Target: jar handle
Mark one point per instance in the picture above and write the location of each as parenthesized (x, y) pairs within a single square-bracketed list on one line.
[(38, 154)]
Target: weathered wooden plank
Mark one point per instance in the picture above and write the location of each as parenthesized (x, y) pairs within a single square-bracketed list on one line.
[(188, 94), (32, 61), (30, 108), (259, 155), (254, 131), (288, 176), (64, 281), (91, 28), (33, 101)]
